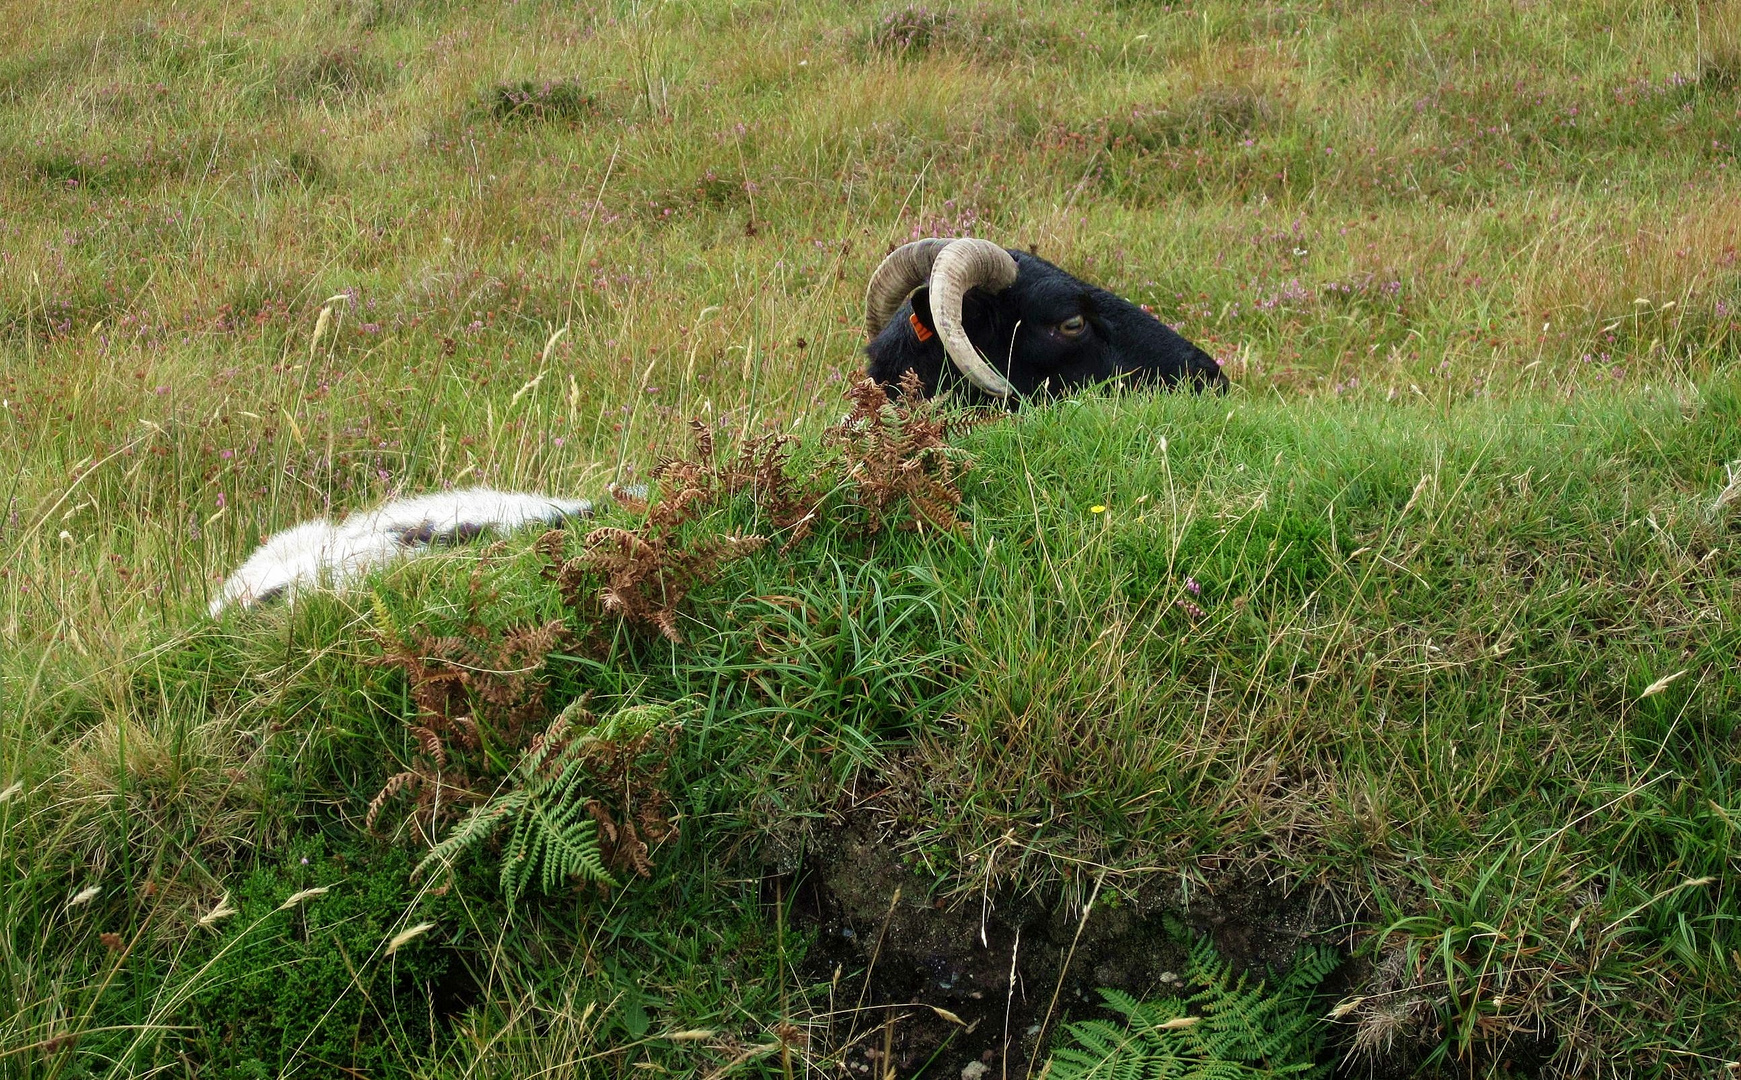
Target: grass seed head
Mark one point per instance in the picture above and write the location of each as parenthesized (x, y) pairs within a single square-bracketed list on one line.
[(296, 898), (222, 911), (406, 936)]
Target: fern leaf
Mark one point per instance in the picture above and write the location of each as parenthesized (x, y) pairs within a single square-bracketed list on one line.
[(384, 624), (477, 827), (554, 838), (551, 843), (633, 721), (1231, 1027)]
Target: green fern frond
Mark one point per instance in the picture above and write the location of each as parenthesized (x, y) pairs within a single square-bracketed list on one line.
[(1311, 967), (478, 826), (385, 626), (1230, 1028), (554, 836), (633, 721), (554, 839)]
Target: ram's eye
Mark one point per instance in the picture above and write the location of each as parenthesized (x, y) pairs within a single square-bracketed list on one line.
[(1072, 326)]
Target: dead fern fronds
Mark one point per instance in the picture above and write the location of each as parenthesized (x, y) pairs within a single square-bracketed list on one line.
[(632, 768), (897, 454), (645, 573), (394, 785), (648, 573), (760, 470), (467, 689), (892, 465)]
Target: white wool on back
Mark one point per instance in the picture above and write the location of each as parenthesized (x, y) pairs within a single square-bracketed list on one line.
[(320, 553)]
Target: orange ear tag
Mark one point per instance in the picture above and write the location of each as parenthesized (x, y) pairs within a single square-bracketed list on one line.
[(924, 333)]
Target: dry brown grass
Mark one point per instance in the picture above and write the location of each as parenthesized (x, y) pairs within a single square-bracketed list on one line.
[(1652, 279)]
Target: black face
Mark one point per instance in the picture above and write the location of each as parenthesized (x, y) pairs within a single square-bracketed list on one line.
[(1047, 333)]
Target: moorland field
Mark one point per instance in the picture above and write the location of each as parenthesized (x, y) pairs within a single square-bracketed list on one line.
[(1403, 681)]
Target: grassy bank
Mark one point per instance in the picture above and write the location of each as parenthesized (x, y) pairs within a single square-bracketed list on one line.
[(1419, 647), (1467, 674)]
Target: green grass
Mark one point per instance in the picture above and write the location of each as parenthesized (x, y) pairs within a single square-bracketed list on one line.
[(1434, 618)]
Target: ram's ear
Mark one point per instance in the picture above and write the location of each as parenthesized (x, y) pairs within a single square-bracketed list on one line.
[(922, 309)]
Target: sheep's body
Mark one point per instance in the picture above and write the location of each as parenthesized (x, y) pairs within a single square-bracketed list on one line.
[(321, 553)]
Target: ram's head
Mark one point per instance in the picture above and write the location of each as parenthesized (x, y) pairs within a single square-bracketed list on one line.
[(1011, 324)]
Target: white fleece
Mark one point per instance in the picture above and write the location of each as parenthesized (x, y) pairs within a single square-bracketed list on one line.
[(319, 552)]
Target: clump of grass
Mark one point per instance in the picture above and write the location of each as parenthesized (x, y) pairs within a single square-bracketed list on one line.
[(1720, 43), (1264, 555), (1218, 110), (377, 14), (718, 191), (1229, 109), (333, 76), (541, 102), (205, 782), (299, 168), (917, 30), (112, 173)]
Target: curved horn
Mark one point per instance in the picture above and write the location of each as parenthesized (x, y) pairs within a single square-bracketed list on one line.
[(963, 265), (903, 270)]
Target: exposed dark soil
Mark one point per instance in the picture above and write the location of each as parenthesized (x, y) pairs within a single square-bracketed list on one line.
[(940, 994)]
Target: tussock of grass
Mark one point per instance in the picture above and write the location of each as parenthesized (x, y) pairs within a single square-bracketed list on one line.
[(331, 76), (534, 102), (916, 30), (1720, 44)]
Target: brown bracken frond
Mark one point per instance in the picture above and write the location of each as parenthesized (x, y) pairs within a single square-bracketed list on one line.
[(643, 574), (395, 784), (893, 466), (897, 454), (649, 571), (464, 686), (633, 770)]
